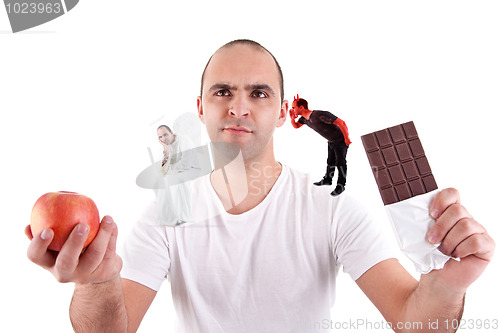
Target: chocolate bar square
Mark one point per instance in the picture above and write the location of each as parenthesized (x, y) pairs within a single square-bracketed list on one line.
[(398, 163)]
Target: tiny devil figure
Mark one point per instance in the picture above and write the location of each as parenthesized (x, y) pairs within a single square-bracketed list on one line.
[(333, 129)]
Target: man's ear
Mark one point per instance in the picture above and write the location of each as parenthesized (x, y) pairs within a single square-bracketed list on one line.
[(200, 109), (283, 113)]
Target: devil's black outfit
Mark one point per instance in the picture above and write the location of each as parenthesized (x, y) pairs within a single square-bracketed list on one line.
[(333, 129)]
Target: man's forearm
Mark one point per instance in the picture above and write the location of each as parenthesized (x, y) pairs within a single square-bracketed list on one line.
[(434, 307), (99, 308), (295, 124)]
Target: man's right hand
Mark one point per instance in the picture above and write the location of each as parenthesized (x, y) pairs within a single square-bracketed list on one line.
[(292, 116), (166, 150), (295, 124), (98, 263)]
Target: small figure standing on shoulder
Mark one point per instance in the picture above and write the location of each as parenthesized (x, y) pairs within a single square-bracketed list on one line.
[(331, 128)]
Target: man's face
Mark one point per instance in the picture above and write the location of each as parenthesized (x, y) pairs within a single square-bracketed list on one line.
[(241, 100), (165, 136)]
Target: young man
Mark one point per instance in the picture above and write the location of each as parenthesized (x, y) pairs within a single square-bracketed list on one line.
[(269, 263), (333, 129), (166, 138), (173, 147)]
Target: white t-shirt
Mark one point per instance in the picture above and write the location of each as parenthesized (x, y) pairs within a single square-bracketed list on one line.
[(270, 269)]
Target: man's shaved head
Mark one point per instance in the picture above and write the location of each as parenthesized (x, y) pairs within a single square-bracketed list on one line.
[(255, 45)]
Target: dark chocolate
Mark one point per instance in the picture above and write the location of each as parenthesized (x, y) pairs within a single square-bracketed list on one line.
[(398, 162)]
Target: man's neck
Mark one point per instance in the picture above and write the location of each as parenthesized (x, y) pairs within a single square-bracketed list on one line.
[(242, 185), (306, 113)]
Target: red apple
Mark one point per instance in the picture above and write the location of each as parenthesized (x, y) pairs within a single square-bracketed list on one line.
[(62, 211)]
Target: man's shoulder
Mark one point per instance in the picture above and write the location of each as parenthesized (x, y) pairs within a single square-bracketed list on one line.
[(322, 113), (307, 198), (292, 172), (303, 184)]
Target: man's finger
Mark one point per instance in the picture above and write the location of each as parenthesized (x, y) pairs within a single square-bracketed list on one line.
[(111, 263), (38, 249), (443, 200), (68, 257), (111, 250), (94, 254), (447, 220), (27, 232), (462, 230), (480, 245)]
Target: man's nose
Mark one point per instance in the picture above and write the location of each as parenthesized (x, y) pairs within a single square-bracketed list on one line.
[(239, 108)]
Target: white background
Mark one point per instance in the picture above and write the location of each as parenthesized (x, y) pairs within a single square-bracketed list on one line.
[(78, 96)]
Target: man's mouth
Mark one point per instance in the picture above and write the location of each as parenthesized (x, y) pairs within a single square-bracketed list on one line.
[(237, 130)]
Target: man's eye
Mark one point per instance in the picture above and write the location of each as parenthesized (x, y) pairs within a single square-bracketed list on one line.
[(258, 94), (222, 93)]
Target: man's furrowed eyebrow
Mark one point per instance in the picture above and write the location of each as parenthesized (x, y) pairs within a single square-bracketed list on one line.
[(220, 86), (249, 87), (260, 86)]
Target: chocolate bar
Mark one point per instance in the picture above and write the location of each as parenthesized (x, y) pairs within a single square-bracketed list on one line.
[(398, 163)]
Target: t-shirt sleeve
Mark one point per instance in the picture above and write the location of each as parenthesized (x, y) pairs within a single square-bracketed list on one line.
[(145, 252), (360, 241)]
